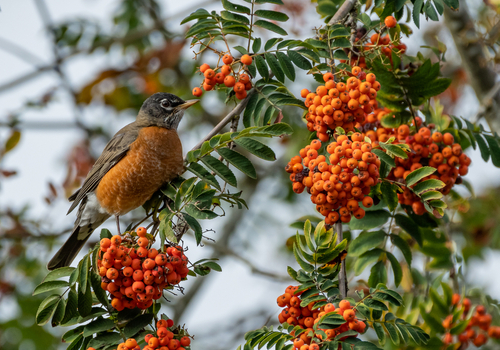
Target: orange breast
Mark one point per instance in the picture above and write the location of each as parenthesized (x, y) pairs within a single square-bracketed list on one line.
[(153, 159)]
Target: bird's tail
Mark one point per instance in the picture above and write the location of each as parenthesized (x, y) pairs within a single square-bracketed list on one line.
[(71, 248)]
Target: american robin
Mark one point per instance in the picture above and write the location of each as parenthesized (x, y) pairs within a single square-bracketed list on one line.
[(135, 163)]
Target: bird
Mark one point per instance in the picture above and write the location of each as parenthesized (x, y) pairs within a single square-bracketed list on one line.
[(136, 162)]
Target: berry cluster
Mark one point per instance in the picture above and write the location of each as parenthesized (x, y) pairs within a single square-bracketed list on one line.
[(339, 185), (135, 275), (340, 104), (166, 338), (478, 330), (306, 317), (212, 77), (435, 150)]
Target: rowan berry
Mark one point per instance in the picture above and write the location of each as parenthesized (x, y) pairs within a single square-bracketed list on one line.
[(246, 60), (229, 81), (227, 59), (204, 67)]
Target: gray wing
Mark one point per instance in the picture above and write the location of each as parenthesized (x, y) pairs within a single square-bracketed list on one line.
[(114, 151)]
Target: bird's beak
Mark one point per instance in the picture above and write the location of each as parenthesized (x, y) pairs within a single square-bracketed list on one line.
[(187, 104)]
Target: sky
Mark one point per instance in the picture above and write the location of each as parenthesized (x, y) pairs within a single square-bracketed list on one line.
[(39, 158)]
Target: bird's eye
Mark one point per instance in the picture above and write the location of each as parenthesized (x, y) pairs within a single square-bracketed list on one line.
[(165, 103)]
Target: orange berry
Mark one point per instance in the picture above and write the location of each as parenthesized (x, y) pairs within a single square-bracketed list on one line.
[(229, 81), (209, 73), (204, 67), (327, 77), (227, 59), (197, 92), (390, 22), (246, 60), (143, 242)]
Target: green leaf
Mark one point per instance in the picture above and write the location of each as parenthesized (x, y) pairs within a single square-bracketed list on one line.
[(417, 8), (234, 17), (270, 26), (261, 65), (199, 213), (275, 66), (384, 157), (100, 294), (427, 196), (299, 60), (59, 313), (366, 259), (84, 300), (138, 323), (286, 65), (256, 45), (271, 42), (220, 169), (268, 115), (365, 241), (427, 185), (195, 226), (235, 7), (203, 174), (258, 110), (494, 148), (84, 272), (419, 174), (46, 309), (58, 273), (49, 285), (372, 219), (239, 161), (71, 306), (389, 194), (379, 330), (256, 148), (199, 13), (378, 274), (252, 102), (12, 141), (403, 246), (304, 265), (396, 150), (396, 268), (485, 152), (99, 325), (272, 15), (410, 227), (431, 12)]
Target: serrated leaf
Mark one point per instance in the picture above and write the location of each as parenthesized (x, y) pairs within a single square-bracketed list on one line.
[(59, 313), (403, 246), (261, 65), (286, 65), (365, 241), (275, 67), (250, 107), (99, 325), (239, 161), (235, 7), (396, 268), (84, 300), (384, 157), (378, 274), (49, 285), (419, 174), (71, 306), (137, 324), (256, 148), (220, 169), (299, 60), (95, 281), (389, 194), (199, 13), (431, 184), (485, 152), (372, 219), (494, 149), (195, 226), (272, 15), (366, 259), (270, 26), (379, 330), (46, 309), (417, 8)]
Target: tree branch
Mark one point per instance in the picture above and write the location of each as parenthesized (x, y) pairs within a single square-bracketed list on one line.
[(227, 119), (342, 11), (482, 77)]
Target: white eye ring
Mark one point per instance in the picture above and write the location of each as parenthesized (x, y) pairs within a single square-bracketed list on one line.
[(165, 103)]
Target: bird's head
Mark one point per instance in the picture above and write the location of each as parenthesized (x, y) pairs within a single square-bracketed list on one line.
[(164, 110)]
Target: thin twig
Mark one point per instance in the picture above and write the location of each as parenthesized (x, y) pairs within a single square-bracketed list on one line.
[(227, 119), (342, 12)]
